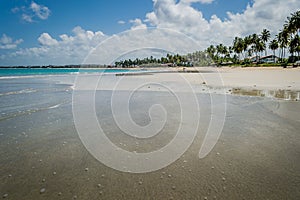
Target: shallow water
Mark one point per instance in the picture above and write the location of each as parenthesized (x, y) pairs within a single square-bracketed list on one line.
[(17, 72), (256, 157)]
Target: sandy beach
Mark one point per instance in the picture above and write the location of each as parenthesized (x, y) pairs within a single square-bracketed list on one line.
[(274, 82), (260, 77), (257, 155)]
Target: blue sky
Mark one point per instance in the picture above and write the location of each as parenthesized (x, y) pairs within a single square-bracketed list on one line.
[(92, 15), (65, 15), (23, 22)]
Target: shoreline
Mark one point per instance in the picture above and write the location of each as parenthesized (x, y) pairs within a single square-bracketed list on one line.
[(137, 67), (274, 82)]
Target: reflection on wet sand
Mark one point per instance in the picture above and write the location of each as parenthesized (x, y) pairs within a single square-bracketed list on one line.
[(278, 94)]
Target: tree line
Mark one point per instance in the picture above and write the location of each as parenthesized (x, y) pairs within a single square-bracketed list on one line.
[(171, 60), (242, 49)]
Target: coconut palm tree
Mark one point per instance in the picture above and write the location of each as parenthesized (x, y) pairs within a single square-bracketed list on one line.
[(260, 46), (293, 23), (292, 26), (238, 46), (283, 40), (224, 51), (220, 50), (294, 45), (255, 45), (247, 44), (265, 36), (274, 46), (211, 50)]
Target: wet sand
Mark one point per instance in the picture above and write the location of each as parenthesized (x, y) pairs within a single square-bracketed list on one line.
[(256, 157)]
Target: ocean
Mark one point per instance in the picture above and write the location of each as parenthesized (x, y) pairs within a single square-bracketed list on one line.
[(58, 71)]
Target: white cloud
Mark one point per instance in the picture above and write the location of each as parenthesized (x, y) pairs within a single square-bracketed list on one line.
[(182, 16), (15, 10), (27, 18), (141, 43), (197, 1), (121, 22), (7, 42), (137, 24), (67, 49), (33, 12), (40, 11), (47, 40)]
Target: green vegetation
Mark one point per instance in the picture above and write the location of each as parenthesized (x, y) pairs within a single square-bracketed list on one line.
[(244, 51), (171, 60), (247, 51)]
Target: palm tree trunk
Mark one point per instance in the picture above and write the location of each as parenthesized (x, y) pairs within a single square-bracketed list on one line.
[(256, 57)]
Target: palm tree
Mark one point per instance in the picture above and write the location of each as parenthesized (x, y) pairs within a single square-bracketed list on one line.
[(250, 52), (283, 40), (171, 58), (220, 50), (273, 46), (254, 47), (292, 26), (293, 23), (247, 43), (265, 36), (211, 50), (225, 52), (294, 45), (230, 50), (260, 46), (238, 46)]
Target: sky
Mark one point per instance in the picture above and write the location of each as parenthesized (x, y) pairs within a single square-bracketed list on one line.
[(44, 32)]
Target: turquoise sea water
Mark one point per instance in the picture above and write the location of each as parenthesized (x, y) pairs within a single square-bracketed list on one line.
[(57, 71)]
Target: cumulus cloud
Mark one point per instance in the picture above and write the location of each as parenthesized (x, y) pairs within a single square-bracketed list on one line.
[(32, 12), (182, 16), (67, 49), (47, 40), (137, 24), (7, 42), (141, 43)]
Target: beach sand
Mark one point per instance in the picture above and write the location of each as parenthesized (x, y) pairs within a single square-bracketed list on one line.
[(256, 157)]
